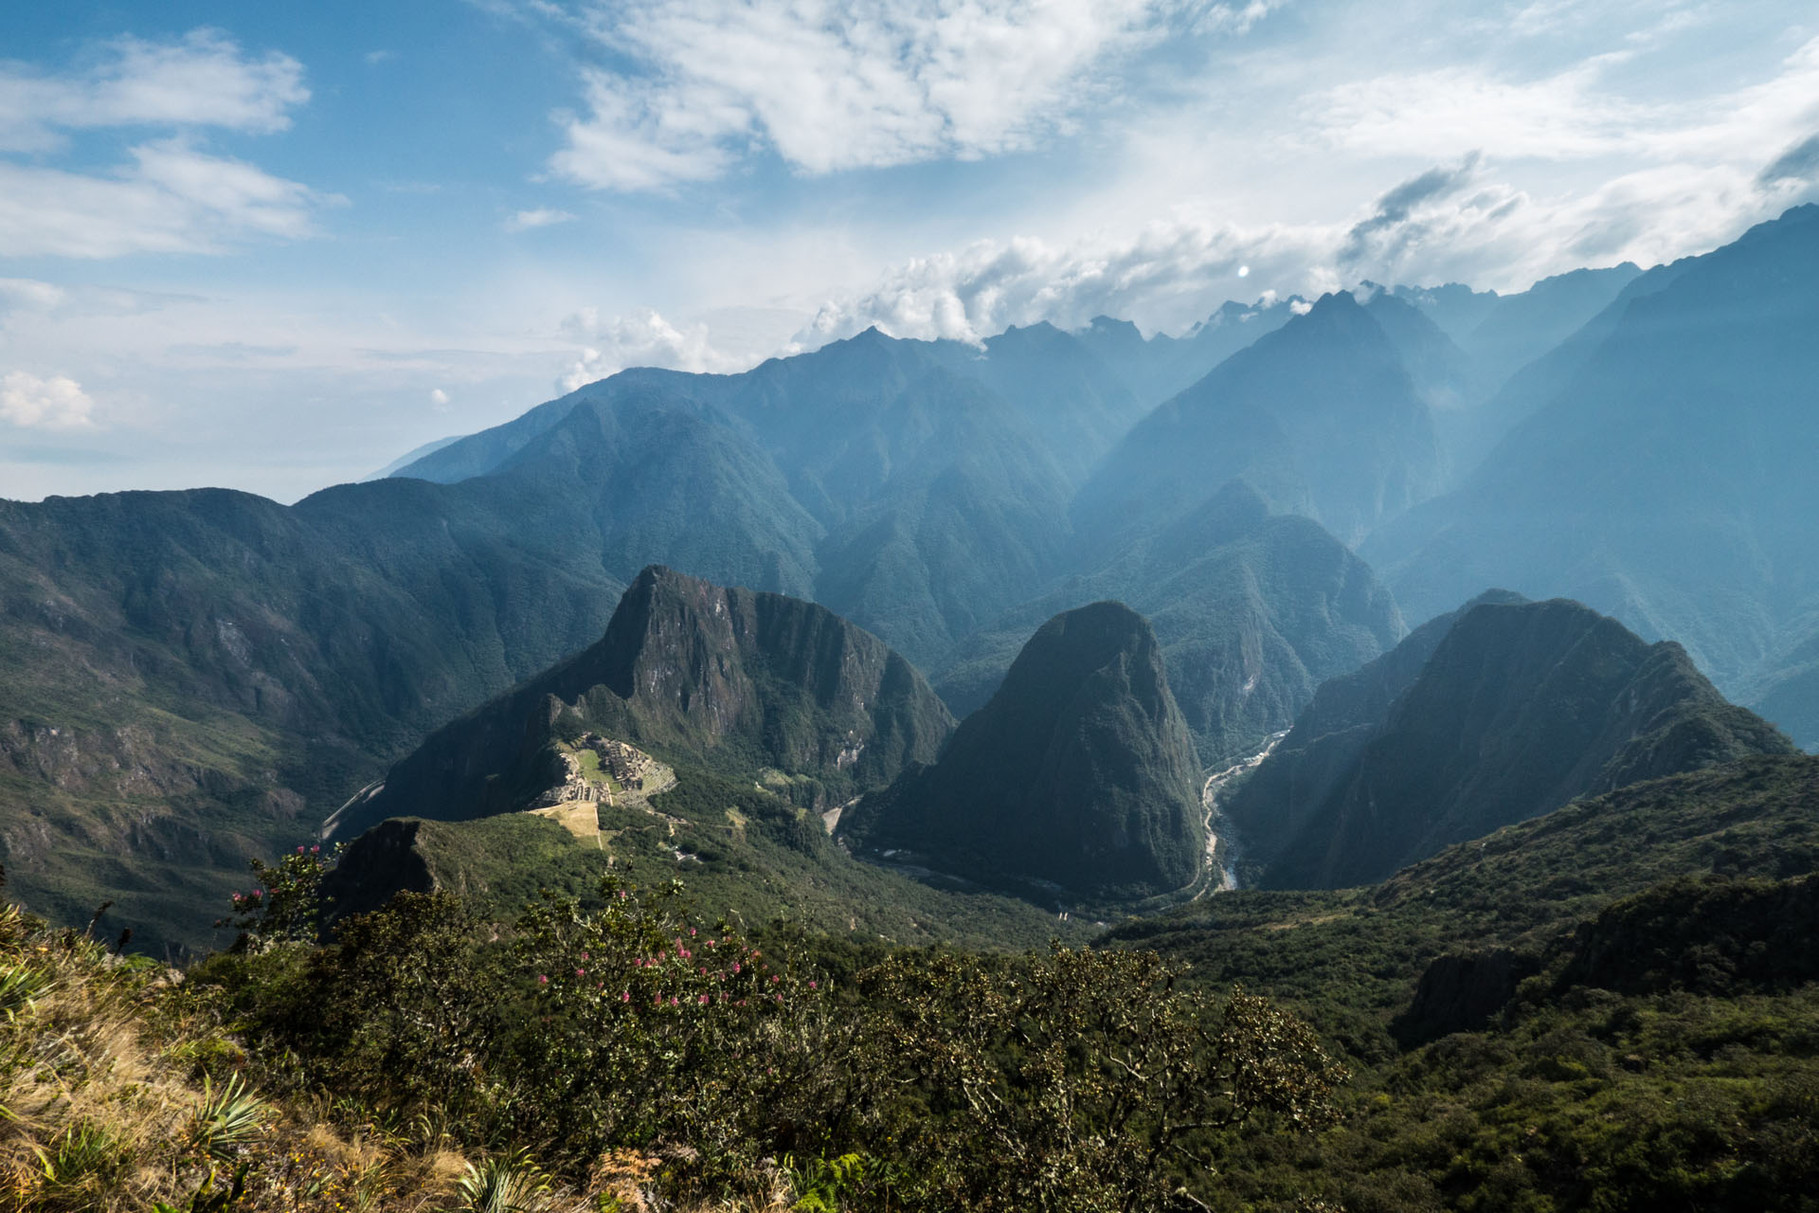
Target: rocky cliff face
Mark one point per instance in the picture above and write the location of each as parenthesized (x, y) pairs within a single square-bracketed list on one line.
[(1079, 773), (724, 678), (1520, 708)]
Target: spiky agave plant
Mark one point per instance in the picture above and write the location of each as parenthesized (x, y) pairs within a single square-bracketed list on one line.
[(507, 1183), (230, 1117), (79, 1170), (20, 987)]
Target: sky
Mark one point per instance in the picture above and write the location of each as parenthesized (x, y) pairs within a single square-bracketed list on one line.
[(275, 247)]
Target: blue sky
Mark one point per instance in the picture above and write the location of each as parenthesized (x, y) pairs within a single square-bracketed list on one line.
[(273, 247)]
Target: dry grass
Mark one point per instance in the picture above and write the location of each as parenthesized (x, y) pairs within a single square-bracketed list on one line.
[(114, 1099)]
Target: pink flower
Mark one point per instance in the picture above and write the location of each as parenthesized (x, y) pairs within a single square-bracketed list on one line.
[(258, 892), (691, 932), (626, 997), (775, 979), (813, 986), (675, 1002), (315, 850), (584, 956), (583, 973), (542, 980), (299, 850), (704, 1000), (737, 966)]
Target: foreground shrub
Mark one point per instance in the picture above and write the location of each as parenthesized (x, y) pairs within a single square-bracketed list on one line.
[(928, 1080)]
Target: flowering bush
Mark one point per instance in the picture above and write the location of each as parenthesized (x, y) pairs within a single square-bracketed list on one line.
[(285, 905)]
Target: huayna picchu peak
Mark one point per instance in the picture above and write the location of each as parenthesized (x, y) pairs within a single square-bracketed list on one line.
[(1078, 775)]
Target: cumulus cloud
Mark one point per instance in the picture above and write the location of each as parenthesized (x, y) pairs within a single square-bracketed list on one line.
[(642, 338), (541, 217), (202, 80), (57, 403), (173, 198), (1171, 273), (831, 86)]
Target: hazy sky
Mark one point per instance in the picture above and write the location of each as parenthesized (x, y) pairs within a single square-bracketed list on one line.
[(275, 246)]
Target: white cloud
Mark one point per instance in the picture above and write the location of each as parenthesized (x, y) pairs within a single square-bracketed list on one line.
[(1577, 113), (172, 199), (438, 397), (172, 196), (1169, 275), (642, 338), (830, 86), (541, 217), (202, 80), (57, 403)]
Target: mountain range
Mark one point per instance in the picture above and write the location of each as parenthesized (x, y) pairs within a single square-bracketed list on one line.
[(191, 679)]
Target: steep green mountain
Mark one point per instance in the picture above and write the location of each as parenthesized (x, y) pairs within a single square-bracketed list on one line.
[(1078, 773), (1276, 803), (1321, 417), (690, 672), (1253, 612), (1520, 708), (1666, 477), (189, 680)]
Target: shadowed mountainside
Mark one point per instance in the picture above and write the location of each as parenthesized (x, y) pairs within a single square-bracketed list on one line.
[(1078, 773), (1520, 708)]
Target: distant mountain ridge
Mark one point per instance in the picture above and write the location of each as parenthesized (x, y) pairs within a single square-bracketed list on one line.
[(1320, 417)]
